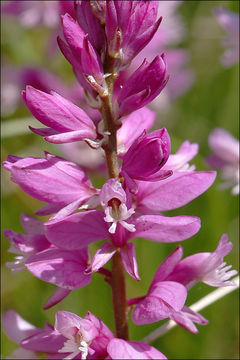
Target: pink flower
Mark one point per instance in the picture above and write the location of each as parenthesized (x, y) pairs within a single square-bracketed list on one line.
[(129, 27), (62, 184), (91, 16), (165, 298), (168, 35), (141, 87), (146, 156), (30, 338), (121, 349), (229, 21), (66, 122), (206, 267), (225, 157), (25, 245), (66, 269), (93, 159), (83, 56), (87, 336), (180, 188), (91, 226), (73, 337)]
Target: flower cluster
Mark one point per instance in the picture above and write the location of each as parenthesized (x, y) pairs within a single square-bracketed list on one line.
[(101, 41)]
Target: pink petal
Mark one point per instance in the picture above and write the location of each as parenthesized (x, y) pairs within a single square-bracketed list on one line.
[(48, 209), (101, 257), (68, 324), (133, 126), (77, 230), (224, 145), (175, 191), (46, 340), (129, 260), (70, 136), (167, 266), (185, 153), (163, 299), (58, 295), (186, 318), (31, 225), (63, 268), (16, 327), (166, 229), (121, 349)]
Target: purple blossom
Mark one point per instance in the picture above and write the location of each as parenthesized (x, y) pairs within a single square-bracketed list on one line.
[(66, 122), (147, 155), (66, 269), (225, 157), (83, 228), (91, 16), (72, 337), (121, 349), (25, 245), (82, 55), (142, 86), (30, 339), (229, 21), (60, 183), (206, 267), (166, 298), (129, 27), (168, 35)]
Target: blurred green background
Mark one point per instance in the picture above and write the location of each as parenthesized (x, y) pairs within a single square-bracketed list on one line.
[(211, 102)]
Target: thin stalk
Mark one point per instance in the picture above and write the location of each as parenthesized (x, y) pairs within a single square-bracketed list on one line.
[(117, 280), (120, 307), (199, 305)]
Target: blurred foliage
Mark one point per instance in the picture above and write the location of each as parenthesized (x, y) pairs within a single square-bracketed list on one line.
[(211, 102)]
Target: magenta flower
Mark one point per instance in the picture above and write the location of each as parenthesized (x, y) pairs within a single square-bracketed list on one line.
[(30, 339), (225, 157), (166, 298), (66, 269), (66, 122), (60, 183), (87, 336), (168, 35), (91, 16), (142, 86), (91, 226), (82, 55), (25, 245), (121, 349), (173, 192), (181, 187), (129, 27), (73, 337), (187, 317), (206, 267), (229, 21), (163, 298), (146, 156)]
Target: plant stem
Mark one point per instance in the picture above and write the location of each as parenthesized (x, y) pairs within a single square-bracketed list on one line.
[(120, 307), (117, 280)]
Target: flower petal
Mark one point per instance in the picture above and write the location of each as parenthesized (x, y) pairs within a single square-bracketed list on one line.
[(166, 229), (77, 230)]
